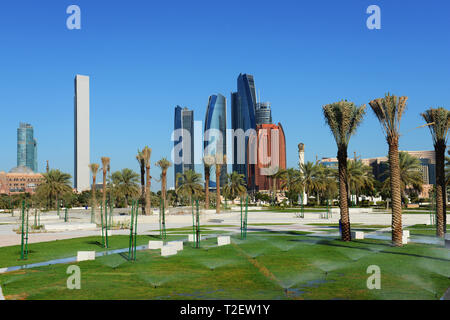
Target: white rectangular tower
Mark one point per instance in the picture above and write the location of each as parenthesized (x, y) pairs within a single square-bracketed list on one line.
[(81, 109)]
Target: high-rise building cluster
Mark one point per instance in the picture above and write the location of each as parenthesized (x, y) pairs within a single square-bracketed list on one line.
[(258, 146)]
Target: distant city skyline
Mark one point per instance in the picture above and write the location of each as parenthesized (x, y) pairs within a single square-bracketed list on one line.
[(144, 62)]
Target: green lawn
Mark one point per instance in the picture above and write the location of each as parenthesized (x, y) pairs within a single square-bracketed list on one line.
[(268, 265)]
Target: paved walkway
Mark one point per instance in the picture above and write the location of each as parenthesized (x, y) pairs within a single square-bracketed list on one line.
[(9, 237)]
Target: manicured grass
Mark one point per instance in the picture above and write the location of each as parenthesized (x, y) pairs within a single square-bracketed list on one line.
[(265, 266), (353, 225), (44, 251), (422, 230)]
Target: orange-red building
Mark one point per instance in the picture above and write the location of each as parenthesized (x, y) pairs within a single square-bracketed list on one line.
[(267, 157), (19, 180)]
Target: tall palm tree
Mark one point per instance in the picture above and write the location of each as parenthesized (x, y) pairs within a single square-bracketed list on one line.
[(189, 184), (219, 161), (438, 123), (146, 154), (235, 186), (343, 118), (55, 184), (105, 164), (126, 184), (94, 169), (164, 164), (140, 157), (389, 111), (410, 174), (208, 161)]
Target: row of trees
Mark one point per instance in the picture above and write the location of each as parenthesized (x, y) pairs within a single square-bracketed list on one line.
[(344, 117)]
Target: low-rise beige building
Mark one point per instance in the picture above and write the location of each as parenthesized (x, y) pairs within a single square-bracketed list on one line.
[(19, 180)]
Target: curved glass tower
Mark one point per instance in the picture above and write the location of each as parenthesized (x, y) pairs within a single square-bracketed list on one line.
[(216, 133), (243, 108)]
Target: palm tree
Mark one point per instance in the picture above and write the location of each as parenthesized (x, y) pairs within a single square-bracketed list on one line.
[(94, 169), (235, 186), (343, 118), (309, 178), (389, 111), (410, 174), (140, 157), (276, 174), (163, 164), (126, 184), (208, 161), (55, 184), (219, 161), (188, 184), (146, 155), (105, 164), (438, 122), (359, 177), (291, 182)]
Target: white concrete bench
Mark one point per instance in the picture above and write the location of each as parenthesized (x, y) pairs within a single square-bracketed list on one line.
[(69, 226), (168, 251), (85, 255), (357, 235), (405, 239), (178, 245), (223, 240), (155, 244)]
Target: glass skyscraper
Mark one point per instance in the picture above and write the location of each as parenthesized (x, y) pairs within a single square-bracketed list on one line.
[(216, 133), (26, 147), (184, 119), (243, 108)]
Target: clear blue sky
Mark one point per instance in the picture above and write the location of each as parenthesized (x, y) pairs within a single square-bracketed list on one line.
[(145, 57)]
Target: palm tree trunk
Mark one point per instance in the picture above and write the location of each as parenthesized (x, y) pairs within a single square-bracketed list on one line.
[(206, 188), (142, 201), (163, 188), (440, 190), (104, 188), (343, 197), (218, 188), (147, 191), (394, 167), (94, 200)]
